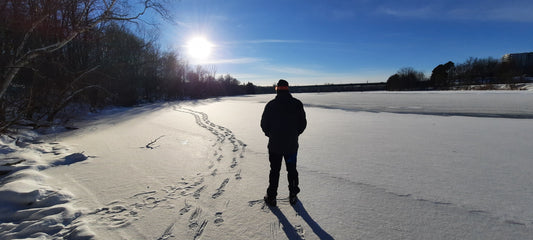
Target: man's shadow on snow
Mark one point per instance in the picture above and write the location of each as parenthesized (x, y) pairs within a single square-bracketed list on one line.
[(289, 229)]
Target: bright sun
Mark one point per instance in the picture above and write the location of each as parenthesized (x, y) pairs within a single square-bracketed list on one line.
[(199, 48)]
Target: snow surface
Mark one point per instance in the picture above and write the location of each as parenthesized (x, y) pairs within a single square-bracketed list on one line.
[(375, 165)]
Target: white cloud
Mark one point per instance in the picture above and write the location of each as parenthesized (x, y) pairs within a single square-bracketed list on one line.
[(494, 13), (233, 61), (418, 12), (275, 41), (513, 11), (291, 70), (261, 41)]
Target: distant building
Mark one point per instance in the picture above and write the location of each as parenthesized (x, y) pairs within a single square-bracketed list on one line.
[(521, 60)]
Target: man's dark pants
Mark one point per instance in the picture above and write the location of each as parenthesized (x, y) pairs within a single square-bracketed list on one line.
[(275, 167)]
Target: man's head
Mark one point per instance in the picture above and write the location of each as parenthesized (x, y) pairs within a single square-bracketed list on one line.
[(282, 86)]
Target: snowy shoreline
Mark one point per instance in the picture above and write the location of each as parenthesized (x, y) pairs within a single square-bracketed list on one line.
[(30, 206), (442, 169)]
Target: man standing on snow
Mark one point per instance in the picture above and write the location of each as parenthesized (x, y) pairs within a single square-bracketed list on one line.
[(282, 122)]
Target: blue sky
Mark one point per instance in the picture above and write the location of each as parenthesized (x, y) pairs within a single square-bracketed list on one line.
[(320, 41)]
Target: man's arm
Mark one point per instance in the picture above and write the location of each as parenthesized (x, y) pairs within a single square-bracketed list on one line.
[(265, 121), (303, 121)]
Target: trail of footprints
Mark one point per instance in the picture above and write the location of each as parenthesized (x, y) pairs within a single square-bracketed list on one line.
[(219, 173)]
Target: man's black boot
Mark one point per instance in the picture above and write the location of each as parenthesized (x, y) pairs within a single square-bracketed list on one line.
[(270, 201), (293, 199)]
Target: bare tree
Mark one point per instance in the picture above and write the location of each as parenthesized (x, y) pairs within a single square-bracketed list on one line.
[(22, 18)]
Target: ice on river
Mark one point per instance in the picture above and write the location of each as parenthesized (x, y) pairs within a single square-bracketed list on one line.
[(375, 165)]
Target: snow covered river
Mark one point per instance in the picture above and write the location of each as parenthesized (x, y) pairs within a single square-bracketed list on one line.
[(373, 165)]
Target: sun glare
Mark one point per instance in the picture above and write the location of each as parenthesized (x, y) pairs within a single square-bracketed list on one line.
[(199, 48)]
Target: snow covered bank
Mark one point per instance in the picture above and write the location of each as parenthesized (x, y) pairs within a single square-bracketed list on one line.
[(29, 206), (199, 169), (507, 87)]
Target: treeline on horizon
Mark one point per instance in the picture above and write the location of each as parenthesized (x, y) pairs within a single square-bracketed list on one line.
[(474, 71)]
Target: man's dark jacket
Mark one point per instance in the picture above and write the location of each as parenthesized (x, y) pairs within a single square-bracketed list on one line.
[(282, 122)]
